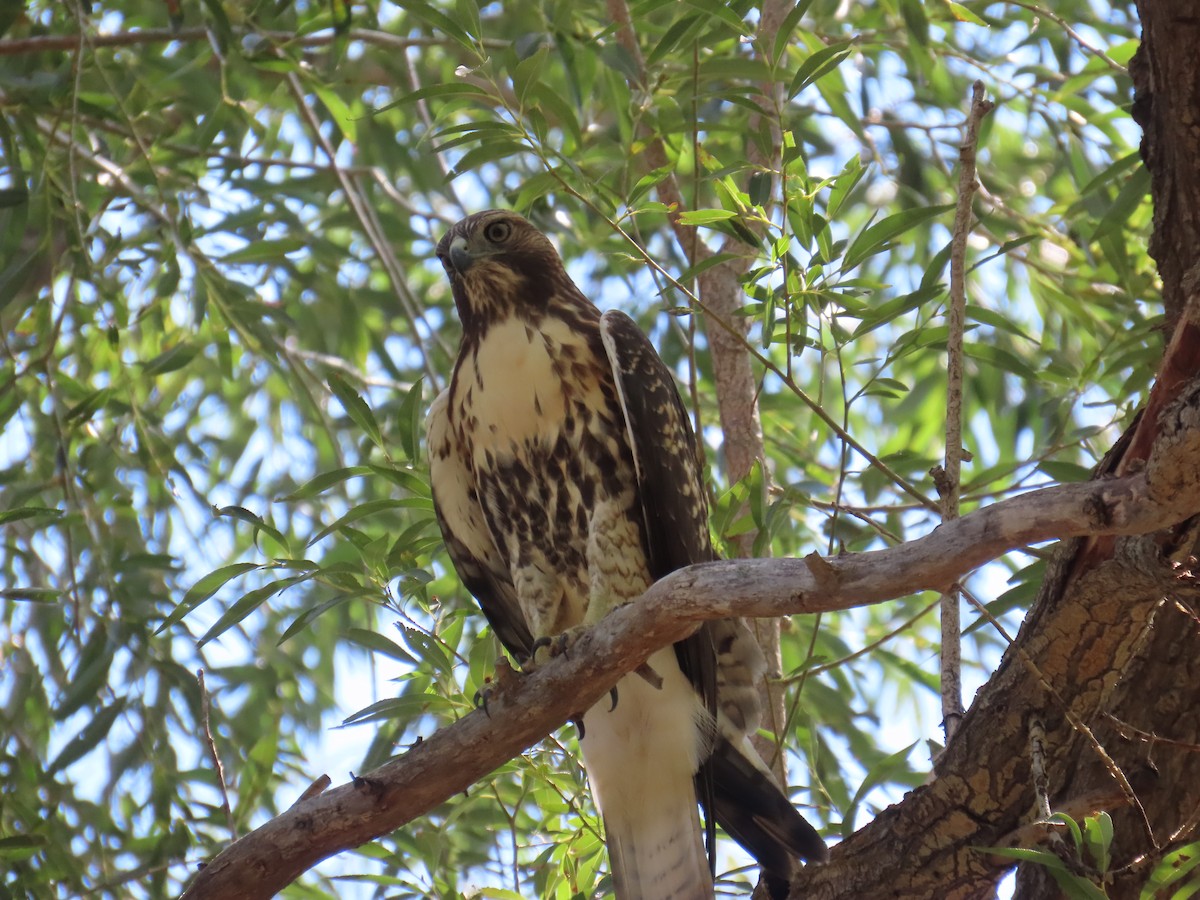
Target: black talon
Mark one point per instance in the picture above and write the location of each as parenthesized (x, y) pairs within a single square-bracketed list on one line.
[(577, 721), (480, 699), (613, 693)]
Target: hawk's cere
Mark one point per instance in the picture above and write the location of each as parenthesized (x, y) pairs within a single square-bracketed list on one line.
[(567, 479)]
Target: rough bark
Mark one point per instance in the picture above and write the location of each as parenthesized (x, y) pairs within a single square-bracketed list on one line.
[(1151, 725), (1166, 73)]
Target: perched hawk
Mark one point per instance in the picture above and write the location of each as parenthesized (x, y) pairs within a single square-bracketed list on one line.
[(566, 480)]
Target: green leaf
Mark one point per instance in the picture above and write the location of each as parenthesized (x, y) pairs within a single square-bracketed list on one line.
[(203, 589), (847, 180), (881, 773), (171, 360), (528, 72), (1097, 837), (242, 514), (720, 10), (356, 408), (1075, 887), (1172, 869), (377, 643), (265, 251), (363, 510), (787, 27), (88, 737), (21, 846), (1000, 358), (1134, 192), (817, 65), (875, 238), (963, 14), (31, 594), (1065, 472), (323, 482), (311, 613), (705, 216), (246, 604), (440, 22), (10, 197), (486, 153), (429, 651), (409, 420), (449, 90), (403, 708), (338, 110), (682, 30), (29, 512)]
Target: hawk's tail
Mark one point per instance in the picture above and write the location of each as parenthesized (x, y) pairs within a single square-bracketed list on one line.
[(641, 757), (754, 811), (659, 858)]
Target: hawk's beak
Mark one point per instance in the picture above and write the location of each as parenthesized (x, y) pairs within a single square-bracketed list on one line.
[(460, 256)]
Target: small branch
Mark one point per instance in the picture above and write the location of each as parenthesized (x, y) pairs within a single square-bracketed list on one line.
[(70, 43), (364, 212), (1037, 768), (1072, 34), (454, 758), (212, 752), (1130, 733), (949, 481)]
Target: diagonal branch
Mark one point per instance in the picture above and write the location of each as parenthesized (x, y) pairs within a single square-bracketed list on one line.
[(526, 709)]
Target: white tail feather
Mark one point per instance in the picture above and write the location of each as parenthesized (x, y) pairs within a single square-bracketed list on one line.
[(641, 758)]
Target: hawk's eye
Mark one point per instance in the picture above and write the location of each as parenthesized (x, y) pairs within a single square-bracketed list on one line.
[(498, 232)]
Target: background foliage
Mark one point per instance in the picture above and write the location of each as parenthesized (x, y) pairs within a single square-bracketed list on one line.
[(220, 327)]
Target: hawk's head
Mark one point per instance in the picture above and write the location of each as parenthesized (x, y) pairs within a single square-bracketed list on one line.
[(499, 264)]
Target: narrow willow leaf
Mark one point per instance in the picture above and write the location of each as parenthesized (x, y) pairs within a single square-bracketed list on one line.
[(29, 512), (89, 736), (203, 589), (171, 360), (409, 420), (356, 408), (323, 482), (246, 604), (819, 63), (874, 239)]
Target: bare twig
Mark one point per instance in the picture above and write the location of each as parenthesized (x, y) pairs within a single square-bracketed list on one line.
[(212, 752), (949, 480), (1072, 34), (70, 43), (1037, 767), (1131, 733), (371, 228)]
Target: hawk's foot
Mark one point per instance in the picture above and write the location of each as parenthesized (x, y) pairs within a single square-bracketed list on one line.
[(548, 647)]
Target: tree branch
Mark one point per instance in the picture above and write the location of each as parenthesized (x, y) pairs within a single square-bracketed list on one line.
[(525, 709), (70, 43), (950, 481)]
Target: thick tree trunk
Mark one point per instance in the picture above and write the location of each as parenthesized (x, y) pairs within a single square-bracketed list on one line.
[(1151, 726)]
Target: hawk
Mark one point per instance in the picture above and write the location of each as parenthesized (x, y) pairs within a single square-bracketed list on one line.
[(567, 479)]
